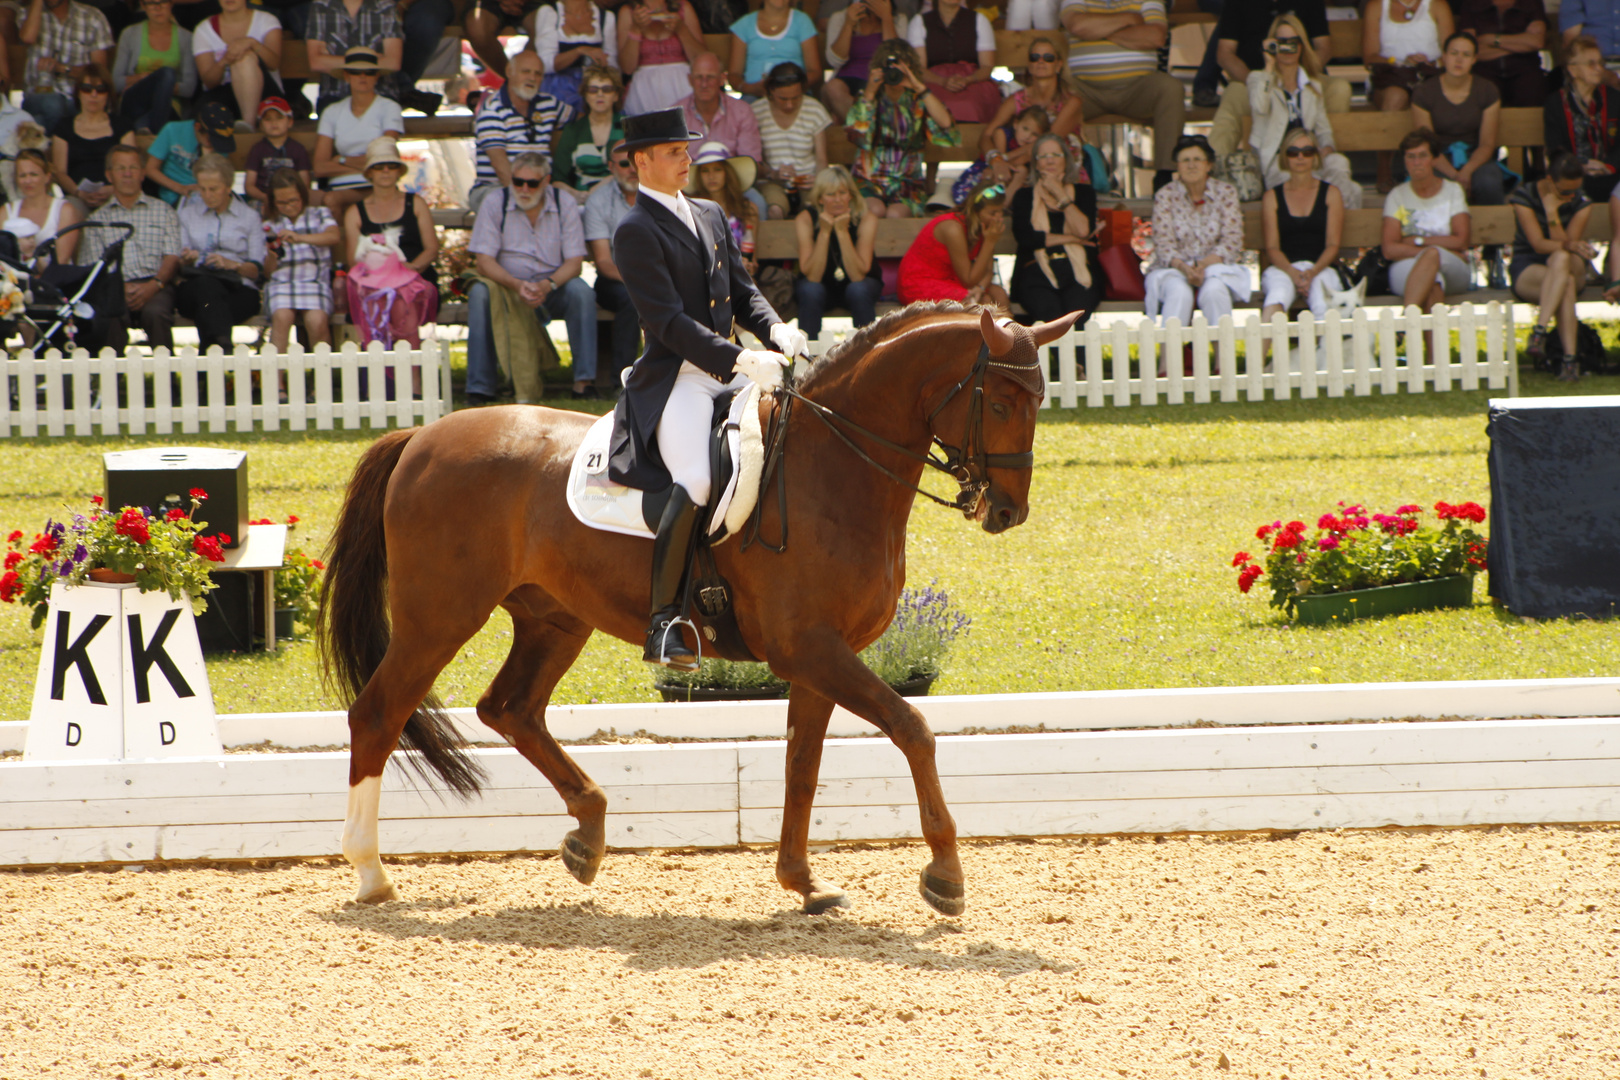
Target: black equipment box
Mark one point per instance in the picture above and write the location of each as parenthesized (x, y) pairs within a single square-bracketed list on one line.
[(235, 609), (165, 476), (1555, 505)]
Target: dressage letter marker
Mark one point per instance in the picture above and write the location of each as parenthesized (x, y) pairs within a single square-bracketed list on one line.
[(121, 676)]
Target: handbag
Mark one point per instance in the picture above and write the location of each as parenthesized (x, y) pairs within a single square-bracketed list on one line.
[(1122, 267)]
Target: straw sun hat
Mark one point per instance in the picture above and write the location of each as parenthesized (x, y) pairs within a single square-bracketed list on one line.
[(382, 151)]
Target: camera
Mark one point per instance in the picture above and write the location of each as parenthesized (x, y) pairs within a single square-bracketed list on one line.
[(893, 73)]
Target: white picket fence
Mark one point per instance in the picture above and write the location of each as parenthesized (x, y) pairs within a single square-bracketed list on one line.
[(1361, 356), (188, 392)]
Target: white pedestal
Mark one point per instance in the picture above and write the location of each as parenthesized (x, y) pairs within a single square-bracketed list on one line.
[(121, 677)]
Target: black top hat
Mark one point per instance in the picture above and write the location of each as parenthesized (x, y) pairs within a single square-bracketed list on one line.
[(654, 128)]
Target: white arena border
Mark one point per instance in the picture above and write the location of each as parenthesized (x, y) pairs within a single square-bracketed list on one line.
[(1227, 759)]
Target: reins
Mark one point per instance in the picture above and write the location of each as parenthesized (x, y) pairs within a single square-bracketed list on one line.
[(968, 470)]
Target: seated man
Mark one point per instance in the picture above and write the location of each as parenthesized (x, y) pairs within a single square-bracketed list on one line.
[(604, 209), (1114, 55), (66, 41), (516, 119), (151, 254), (1244, 28), (530, 244), (399, 36), (722, 118)]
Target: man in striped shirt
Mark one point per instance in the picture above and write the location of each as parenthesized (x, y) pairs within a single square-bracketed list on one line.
[(518, 118), (1113, 52)]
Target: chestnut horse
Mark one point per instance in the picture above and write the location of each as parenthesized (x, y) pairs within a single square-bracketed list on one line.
[(441, 525)]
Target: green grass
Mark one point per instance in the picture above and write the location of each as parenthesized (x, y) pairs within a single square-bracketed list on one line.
[(1119, 579)]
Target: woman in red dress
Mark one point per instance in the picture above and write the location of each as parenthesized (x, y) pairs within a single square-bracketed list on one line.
[(953, 258)]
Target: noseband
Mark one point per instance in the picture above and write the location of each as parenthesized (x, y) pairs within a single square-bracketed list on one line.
[(968, 463)]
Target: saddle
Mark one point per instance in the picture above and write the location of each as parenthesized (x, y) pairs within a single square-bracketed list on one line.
[(736, 466)]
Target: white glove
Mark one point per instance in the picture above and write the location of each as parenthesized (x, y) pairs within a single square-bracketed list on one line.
[(764, 368), (790, 340)]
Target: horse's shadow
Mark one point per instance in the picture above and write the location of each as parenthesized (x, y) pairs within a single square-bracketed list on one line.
[(663, 941)]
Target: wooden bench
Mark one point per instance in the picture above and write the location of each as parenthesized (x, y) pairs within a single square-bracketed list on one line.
[(416, 127)]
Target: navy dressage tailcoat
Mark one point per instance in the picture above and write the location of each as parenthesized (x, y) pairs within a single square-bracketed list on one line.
[(687, 291)]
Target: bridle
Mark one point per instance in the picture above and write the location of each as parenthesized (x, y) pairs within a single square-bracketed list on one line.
[(968, 463)]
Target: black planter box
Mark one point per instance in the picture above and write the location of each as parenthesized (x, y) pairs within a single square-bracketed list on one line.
[(165, 476)]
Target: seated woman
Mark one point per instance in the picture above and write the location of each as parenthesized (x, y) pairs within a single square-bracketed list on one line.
[(1049, 84), (154, 68), (1303, 218), (1583, 118), (718, 176), (40, 213), (853, 35), (1197, 241), (80, 143), (896, 117), (959, 51), (417, 303), (793, 138), (221, 254), (954, 256), (299, 262), (348, 127), (658, 40), (1426, 228), (1550, 258), (1287, 93), (1463, 110), (238, 53), (836, 246), (579, 151), (1018, 138), (1057, 270), (1400, 44), (572, 36), (778, 33)]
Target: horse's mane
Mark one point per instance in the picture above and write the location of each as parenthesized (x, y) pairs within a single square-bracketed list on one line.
[(862, 340)]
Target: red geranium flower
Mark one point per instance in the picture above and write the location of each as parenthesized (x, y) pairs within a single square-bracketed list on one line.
[(14, 537), (1241, 558), (1409, 509), (12, 559), (1287, 539), (208, 548), (175, 513), (224, 538), (198, 493), (1247, 578), (1471, 511), (292, 519), (10, 586), (1444, 511), (132, 523), (1327, 543), (317, 564), (44, 544), (96, 500)]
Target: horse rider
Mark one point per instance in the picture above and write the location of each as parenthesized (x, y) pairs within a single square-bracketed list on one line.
[(684, 272)]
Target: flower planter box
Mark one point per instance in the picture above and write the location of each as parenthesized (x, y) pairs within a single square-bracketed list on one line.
[(1455, 591), (719, 693), (916, 686)]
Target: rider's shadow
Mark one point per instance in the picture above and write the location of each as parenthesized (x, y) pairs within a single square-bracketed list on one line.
[(663, 941)]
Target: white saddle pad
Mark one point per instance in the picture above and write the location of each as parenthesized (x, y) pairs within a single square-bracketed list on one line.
[(602, 504)]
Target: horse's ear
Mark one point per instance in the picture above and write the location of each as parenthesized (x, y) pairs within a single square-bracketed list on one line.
[(1048, 332), (998, 337)]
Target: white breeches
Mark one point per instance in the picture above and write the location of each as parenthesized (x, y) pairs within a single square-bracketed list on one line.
[(1279, 288), (1453, 274), (1032, 15), (683, 430), (1168, 292)]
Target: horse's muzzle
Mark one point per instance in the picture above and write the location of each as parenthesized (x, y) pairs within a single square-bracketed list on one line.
[(998, 512)]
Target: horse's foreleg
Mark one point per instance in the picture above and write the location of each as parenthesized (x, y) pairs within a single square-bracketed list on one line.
[(808, 713), (543, 649), (835, 671)]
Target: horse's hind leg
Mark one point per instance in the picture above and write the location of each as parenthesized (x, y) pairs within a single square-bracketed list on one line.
[(544, 647), (830, 668), (808, 713), (376, 720)]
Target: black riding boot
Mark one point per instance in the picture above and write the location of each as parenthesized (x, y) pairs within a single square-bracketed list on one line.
[(671, 546)]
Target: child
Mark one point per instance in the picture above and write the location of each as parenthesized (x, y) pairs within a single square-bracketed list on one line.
[(276, 151), (175, 150), (1025, 128), (298, 259)]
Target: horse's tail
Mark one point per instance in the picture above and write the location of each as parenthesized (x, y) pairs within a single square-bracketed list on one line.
[(352, 632)]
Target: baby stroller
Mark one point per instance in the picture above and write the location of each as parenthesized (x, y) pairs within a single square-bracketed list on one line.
[(69, 307)]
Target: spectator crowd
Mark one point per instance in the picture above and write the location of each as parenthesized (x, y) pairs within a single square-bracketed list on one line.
[(139, 111)]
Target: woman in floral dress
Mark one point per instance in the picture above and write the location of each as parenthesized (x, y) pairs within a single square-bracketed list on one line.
[(895, 118)]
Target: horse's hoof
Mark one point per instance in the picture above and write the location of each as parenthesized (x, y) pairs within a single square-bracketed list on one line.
[(383, 895), (818, 903), (943, 896), (581, 861)]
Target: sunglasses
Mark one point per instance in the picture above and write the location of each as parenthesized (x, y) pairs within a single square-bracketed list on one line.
[(93, 89), (1042, 57), (609, 89), (1300, 151), (519, 182), (991, 192), (625, 164)]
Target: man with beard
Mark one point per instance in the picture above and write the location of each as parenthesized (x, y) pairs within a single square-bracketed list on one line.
[(530, 244), (684, 272), (606, 207), (516, 119)]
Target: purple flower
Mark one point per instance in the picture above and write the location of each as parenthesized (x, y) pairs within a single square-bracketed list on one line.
[(64, 568), (80, 554)]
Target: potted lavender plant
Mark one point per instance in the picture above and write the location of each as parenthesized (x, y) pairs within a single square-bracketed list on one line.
[(911, 653)]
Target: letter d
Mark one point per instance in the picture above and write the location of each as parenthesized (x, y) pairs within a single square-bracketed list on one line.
[(74, 734), (166, 733)]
